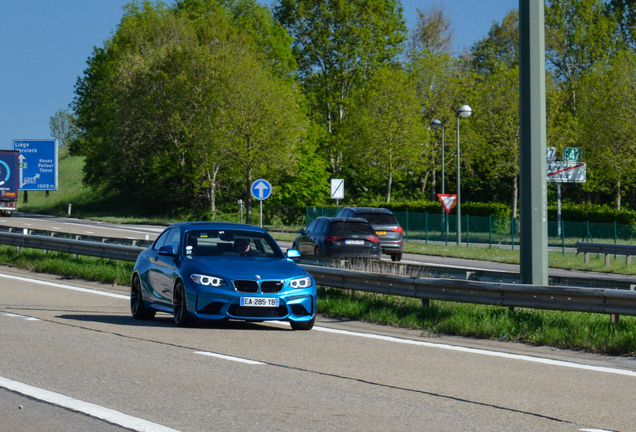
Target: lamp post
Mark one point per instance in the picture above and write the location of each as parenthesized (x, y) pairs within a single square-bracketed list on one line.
[(463, 111), (436, 124)]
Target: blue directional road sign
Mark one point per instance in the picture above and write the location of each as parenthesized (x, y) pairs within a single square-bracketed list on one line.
[(37, 164), (261, 189)]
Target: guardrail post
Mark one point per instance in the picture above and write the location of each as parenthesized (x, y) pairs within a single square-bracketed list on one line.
[(607, 260), (586, 257), (614, 318), (426, 303), (628, 260)]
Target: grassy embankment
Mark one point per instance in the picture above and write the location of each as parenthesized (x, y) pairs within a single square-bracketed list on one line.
[(589, 332)]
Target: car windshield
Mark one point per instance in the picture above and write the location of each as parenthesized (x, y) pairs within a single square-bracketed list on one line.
[(350, 228), (218, 242), (379, 218)]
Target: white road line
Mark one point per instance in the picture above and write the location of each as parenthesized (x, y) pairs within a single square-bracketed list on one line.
[(540, 360), (27, 318), (595, 430), (226, 357), (68, 287), (482, 352), (102, 413)]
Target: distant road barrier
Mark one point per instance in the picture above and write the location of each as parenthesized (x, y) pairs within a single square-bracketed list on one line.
[(607, 249), (594, 300)]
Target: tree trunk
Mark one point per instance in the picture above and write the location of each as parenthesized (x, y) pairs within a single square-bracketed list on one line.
[(248, 195), (425, 181), (515, 196), (388, 188), (212, 190), (433, 187), (618, 195)]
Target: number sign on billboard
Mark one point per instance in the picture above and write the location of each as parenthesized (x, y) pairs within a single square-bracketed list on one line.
[(37, 167)]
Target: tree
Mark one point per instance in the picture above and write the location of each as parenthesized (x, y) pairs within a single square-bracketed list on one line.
[(500, 49), (338, 45), (608, 96), (625, 13), (579, 35), (387, 127), (433, 31), (496, 131), (152, 103), (259, 119), (63, 127)]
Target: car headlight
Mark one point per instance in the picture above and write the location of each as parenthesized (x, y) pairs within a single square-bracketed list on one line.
[(303, 282), (207, 280)]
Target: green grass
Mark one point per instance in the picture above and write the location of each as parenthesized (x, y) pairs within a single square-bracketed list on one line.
[(565, 330), (63, 264)]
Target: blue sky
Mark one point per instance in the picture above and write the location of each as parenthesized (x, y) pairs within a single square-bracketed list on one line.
[(45, 44)]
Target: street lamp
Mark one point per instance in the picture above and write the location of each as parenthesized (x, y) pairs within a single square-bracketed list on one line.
[(463, 111), (436, 124)]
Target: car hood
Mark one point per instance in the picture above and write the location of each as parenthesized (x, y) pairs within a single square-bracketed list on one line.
[(246, 268)]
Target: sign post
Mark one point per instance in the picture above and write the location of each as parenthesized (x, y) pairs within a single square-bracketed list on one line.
[(261, 190), (337, 190), (448, 202), (568, 171)]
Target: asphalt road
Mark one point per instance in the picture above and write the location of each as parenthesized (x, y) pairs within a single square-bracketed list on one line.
[(74, 348)]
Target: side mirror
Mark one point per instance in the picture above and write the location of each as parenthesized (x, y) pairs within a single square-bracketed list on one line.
[(167, 250), (293, 254), (302, 231)]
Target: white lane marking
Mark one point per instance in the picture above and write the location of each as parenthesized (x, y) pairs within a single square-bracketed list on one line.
[(595, 430), (56, 228), (27, 318), (68, 287), (380, 337), (482, 352), (102, 413), (226, 357), (89, 232), (158, 230)]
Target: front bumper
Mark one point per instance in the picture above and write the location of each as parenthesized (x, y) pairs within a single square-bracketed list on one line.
[(225, 303)]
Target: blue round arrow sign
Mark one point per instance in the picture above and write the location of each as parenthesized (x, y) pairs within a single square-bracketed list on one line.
[(261, 189)]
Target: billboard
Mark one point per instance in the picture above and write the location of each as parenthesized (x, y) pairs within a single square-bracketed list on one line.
[(37, 164)]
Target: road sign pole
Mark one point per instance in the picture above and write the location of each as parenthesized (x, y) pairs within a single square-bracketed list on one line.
[(534, 230), (261, 225), (559, 209)]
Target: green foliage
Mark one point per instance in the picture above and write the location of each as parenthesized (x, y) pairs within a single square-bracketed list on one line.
[(386, 129), (592, 213), (182, 101)]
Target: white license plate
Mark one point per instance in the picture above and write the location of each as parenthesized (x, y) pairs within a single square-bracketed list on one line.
[(260, 301), (354, 242)]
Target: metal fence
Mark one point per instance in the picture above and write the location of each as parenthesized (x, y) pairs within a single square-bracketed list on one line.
[(429, 227)]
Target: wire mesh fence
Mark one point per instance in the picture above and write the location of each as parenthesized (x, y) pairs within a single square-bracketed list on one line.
[(492, 231)]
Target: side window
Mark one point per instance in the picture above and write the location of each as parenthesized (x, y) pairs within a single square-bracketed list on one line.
[(322, 227), (161, 240), (312, 226), (173, 239)]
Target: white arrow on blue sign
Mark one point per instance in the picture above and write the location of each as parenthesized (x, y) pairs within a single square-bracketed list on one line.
[(261, 189)]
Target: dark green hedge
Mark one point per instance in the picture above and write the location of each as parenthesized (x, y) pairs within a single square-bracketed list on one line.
[(570, 212)]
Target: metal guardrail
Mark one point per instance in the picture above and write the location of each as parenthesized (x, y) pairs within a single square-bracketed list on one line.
[(608, 301), (607, 249), (76, 247)]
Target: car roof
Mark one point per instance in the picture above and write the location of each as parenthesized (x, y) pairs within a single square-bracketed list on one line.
[(186, 226), (369, 210)]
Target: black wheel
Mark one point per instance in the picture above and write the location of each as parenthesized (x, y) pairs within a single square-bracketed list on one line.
[(139, 311), (303, 325), (317, 251), (295, 246), (396, 256), (180, 306)]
